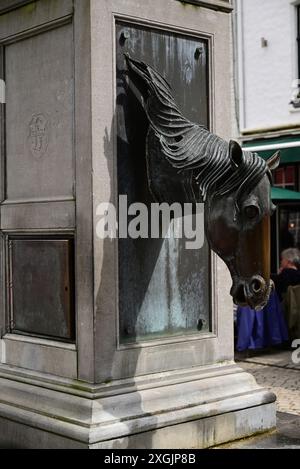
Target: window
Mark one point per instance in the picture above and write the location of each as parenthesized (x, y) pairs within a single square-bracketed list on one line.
[(285, 177), (295, 95), (289, 227)]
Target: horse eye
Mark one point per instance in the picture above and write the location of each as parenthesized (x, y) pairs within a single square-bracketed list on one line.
[(251, 211)]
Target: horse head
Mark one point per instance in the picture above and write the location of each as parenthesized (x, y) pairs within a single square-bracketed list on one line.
[(238, 229), (188, 163)]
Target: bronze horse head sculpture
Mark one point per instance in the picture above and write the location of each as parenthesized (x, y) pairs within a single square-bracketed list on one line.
[(188, 163)]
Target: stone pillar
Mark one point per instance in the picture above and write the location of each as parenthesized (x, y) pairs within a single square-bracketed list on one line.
[(87, 384)]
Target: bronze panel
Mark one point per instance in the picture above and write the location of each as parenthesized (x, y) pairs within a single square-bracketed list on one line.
[(42, 287), (164, 288)]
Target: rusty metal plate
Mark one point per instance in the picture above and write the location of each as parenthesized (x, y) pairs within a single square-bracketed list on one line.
[(42, 287), (164, 288)]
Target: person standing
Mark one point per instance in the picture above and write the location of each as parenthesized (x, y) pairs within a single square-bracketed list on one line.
[(289, 272)]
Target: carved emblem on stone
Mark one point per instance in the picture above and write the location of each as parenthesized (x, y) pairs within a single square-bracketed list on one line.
[(38, 135)]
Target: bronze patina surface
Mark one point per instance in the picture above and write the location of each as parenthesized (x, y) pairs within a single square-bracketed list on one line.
[(188, 163)]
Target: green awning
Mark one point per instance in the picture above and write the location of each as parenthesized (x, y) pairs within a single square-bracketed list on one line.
[(289, 148), (284, 194)]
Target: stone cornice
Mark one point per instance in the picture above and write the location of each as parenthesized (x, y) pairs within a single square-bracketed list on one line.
[(8, 5), (221, 5)]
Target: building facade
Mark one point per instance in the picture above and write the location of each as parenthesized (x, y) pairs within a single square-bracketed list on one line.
[(267, 63)]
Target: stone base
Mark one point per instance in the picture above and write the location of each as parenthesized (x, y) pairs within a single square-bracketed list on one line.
[(195, 408)]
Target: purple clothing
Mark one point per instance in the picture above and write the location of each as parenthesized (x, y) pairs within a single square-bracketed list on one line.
[(263, 328)]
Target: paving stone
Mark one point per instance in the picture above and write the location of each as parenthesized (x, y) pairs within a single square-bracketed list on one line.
[(284, 382), (275, 371)]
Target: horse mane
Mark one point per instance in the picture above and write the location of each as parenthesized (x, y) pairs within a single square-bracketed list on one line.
[(190, 146)]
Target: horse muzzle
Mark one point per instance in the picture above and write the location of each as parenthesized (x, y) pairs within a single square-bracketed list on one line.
[(253, 292)]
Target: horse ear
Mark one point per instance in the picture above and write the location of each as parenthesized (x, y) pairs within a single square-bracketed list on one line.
[(274, 160), (235, 154)]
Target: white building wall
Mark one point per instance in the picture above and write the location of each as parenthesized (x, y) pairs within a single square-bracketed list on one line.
[(266, 73)]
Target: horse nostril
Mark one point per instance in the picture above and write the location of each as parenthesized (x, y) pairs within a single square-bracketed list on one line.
[(257, 285), (238, 294)]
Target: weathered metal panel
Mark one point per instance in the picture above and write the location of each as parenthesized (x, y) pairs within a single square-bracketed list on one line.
[(42, 287), (39, 116), (164, 287)]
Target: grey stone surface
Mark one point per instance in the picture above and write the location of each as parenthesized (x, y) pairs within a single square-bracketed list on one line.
[(37, 354), (287, 436), (203, 433), (39, 74), (113, 362), (223, 5), (196, 408)]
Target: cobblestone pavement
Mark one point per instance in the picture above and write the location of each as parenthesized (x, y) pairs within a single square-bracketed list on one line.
[(277, 372)]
